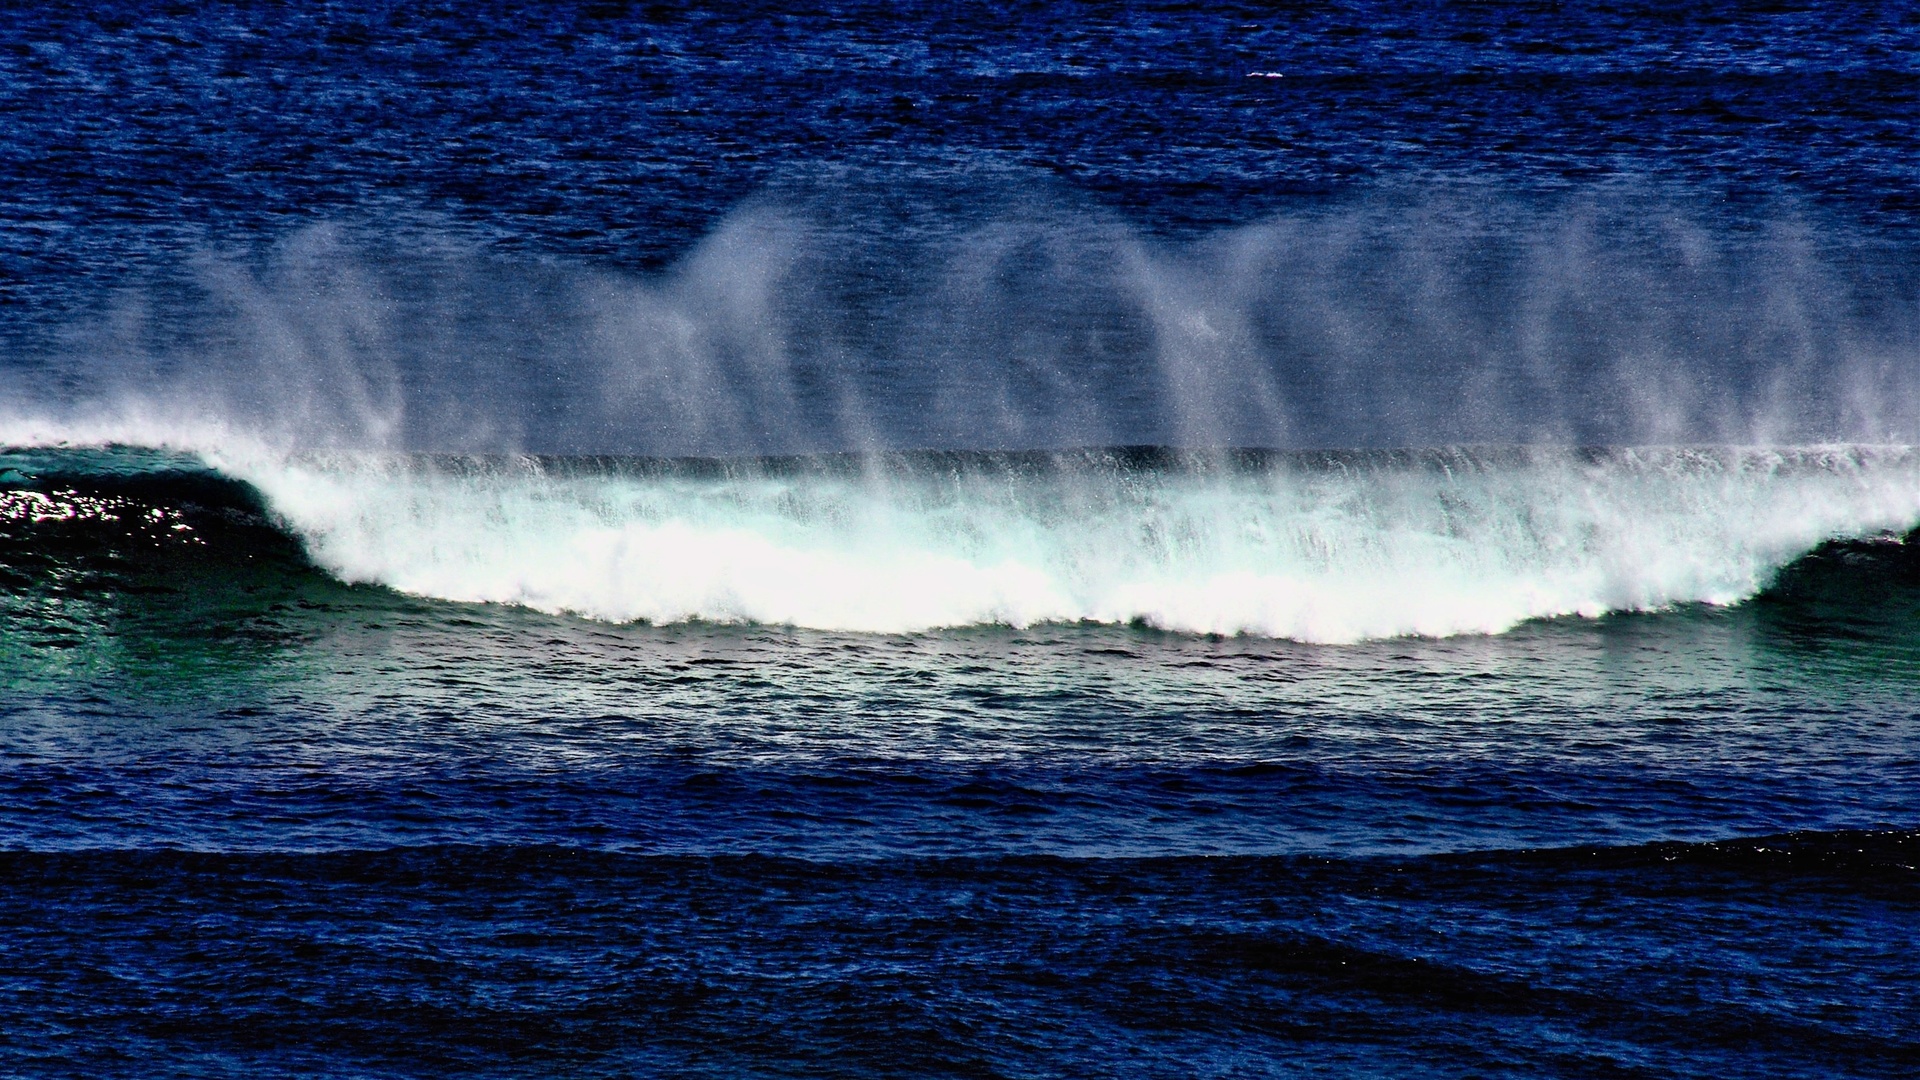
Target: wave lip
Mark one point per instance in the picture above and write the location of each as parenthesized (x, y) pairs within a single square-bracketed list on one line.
[(1320, 548)]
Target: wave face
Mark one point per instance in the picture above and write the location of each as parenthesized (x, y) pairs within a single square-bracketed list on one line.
[(1312, 547)]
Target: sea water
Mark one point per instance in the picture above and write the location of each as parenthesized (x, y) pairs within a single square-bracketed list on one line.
[(637, 541)]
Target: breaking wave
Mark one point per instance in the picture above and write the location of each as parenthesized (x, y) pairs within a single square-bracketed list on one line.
[(417, 414), (1328, 547)]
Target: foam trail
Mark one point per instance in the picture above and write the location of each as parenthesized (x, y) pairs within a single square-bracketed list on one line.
[(1330, 550)]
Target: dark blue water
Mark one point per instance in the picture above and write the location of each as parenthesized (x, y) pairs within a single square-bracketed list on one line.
[(899, 540)]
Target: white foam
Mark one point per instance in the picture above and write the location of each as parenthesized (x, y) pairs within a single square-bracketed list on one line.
[(1321, 555), (1365, 548)]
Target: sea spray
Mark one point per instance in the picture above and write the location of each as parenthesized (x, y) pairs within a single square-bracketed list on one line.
[(818, 324)]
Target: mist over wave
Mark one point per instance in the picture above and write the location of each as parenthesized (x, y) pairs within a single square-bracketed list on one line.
[(851, 317)]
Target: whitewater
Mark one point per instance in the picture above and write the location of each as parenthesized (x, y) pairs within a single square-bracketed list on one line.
[(1314, 547)]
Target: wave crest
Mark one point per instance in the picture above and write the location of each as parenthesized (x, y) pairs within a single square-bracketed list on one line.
[(1321, 548)]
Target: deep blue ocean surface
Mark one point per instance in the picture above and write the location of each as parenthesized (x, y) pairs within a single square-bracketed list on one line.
[(916, 540)]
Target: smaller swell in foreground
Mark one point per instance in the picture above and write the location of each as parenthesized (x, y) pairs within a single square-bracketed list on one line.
[(1319, 548)]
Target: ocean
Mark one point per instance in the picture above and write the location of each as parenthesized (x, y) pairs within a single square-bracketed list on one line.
[(615, 540)]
